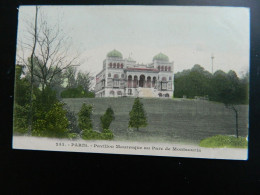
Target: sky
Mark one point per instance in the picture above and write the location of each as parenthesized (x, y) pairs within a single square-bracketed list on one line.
[(188, 35)]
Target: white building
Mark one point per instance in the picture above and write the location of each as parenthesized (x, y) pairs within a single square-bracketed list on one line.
[(124, 77)]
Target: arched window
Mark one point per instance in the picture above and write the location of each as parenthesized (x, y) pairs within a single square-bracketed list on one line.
[(129, 81), (154, 80), (115, 76), (119, 93), (162, 68), (122, 65), (160, 94), (167, 95), (148, 83), (159, 68), (110, 65), (114, 65), (112, 93), (169, 68), (118, 65), (109, 74), (164, 79), (135, 81), (165, 68), (170, 78)]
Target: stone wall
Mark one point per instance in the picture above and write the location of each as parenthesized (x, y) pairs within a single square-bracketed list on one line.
[(169, 119)]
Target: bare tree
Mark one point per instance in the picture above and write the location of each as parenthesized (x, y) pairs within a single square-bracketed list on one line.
[(52, 52), (45, 51)]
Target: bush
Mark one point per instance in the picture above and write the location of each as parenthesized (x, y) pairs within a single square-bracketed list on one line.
[(94, 135), (107, 118), (52, 123), (78, 92), (20, 125), (224, 141), (85, 114), (71, 116)]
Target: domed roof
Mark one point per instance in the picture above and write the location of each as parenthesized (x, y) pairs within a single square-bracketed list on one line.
[(114, 53), (161, 57)]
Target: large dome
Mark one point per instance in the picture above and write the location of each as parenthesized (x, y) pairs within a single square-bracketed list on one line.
[(114, 53), (161, 57)]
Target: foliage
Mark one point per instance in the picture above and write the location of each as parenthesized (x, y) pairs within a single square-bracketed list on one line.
[(221, 87), (70, 75), (20, 124), (85, 113), (52, 123), (137, 115), (84, 80), (78, 92), (222, 141), (44, 100), (107, 118), (194, 82), (71, 116), (94, 135), (22, 87)]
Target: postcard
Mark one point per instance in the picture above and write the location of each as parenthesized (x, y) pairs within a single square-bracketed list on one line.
[(136, 80)]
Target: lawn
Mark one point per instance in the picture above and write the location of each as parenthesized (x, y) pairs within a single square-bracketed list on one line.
[(224, 141)]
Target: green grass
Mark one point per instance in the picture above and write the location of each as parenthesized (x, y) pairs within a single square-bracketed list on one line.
[(224, 141)]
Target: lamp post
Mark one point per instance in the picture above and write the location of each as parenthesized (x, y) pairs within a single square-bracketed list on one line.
[(212, 58)]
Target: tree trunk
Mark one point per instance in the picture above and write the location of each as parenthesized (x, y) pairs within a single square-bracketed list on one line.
[(30, 114)]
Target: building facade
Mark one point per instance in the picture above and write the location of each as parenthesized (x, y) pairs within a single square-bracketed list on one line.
[(124, 77)]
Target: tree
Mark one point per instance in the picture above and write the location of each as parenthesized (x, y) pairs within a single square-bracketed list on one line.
[(193, 82), (107, 118), (46, 46), (231, 95), (85, 113), (137, 115), (70, 75), (50, 47), (84, 79)]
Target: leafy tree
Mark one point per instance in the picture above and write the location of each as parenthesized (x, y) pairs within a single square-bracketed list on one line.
[(137, 115), (70, 75), (85, 113), (107, 118), (84, 79), (194, 82), (78, 92)]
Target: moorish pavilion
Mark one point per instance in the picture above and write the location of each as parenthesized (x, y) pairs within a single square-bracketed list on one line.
[(124, 77)]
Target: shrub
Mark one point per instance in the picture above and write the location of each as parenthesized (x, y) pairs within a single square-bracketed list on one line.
[(20, 125), (137, 115), (90, 135), (71, 116), (224, 141), (94, 135), (85, 113), (107, 118), (107, 134), (52, 123)]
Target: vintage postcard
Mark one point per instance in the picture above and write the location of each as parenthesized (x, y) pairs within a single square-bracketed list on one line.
[(138, 80)]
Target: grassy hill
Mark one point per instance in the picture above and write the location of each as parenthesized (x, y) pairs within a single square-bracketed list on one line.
[(169, 120)]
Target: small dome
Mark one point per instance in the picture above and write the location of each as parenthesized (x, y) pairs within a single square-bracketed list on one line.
[(161, 57), (114, 53)]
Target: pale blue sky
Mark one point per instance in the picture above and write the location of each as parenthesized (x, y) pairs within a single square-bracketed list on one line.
[(188, 35)]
